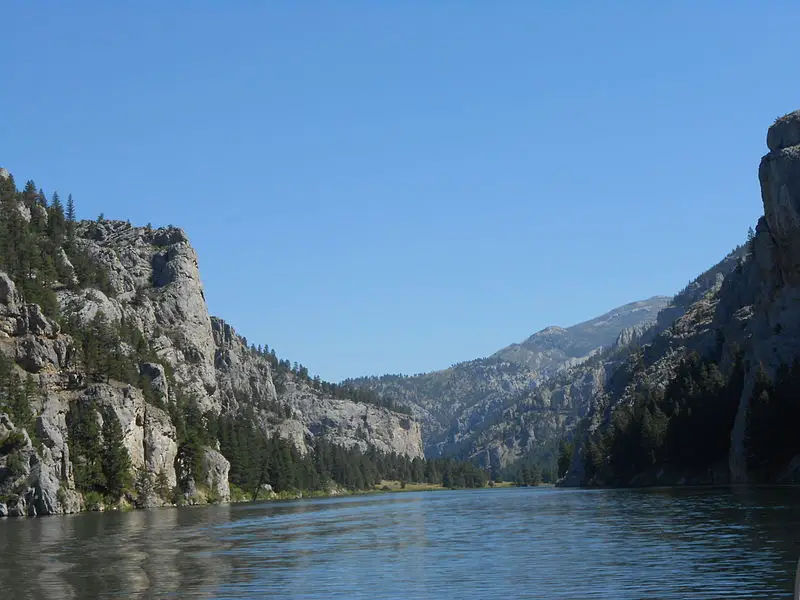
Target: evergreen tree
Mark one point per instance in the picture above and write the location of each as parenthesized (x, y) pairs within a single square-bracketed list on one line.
[(565, 452), (116, 462), (71, 222), (85, 449)]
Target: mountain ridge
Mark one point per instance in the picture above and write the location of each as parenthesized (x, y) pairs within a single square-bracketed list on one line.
[(107, 348), (452, 402)]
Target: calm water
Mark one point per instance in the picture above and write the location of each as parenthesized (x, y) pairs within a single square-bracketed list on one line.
[(509, 543)]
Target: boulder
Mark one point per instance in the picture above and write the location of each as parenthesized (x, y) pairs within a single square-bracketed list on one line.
[(160, 444), (36, 353), (158, 379), (42, 497), (9, 297), (215, 469), (785, 132)]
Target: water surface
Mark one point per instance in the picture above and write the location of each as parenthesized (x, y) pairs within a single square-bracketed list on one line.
[(501, 543)]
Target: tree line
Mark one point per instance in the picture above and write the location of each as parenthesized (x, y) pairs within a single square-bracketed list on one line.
[(36, 250), (343, 391), (686, 427), (258, 459)]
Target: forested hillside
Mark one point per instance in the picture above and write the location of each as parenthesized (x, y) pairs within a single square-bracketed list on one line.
[(117, 386), (712, 398), (456, 406)]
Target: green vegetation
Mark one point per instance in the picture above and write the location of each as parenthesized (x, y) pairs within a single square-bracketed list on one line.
[(686, 427), (32, 250), (345, 391), (116, 463), (101, 462), (16, 394), (771, 439), (257, 460)]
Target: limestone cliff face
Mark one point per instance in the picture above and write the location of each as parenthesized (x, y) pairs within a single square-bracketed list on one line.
[(44, 482), (155, 278), (753, 307), (154, 287), (769, 289), (246, 379)]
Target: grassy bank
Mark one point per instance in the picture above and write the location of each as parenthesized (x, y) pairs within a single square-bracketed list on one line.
[(386, 486)]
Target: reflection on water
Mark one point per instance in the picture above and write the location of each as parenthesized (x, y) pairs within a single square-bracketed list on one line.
[(527, 543)]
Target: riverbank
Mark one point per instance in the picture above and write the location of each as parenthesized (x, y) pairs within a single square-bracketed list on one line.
[(386, 486), (94, 503)]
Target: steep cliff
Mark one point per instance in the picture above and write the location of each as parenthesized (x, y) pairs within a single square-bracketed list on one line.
[(746, 327), (133, 341)]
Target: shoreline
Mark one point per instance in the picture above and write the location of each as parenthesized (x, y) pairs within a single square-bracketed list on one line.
[(341, 493)]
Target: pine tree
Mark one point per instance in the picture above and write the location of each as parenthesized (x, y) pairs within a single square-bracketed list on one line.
[(751, 241), (85, 449), (71, 221), (116, 460)]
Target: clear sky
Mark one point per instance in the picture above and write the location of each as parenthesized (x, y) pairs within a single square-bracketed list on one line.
[(397, 186)]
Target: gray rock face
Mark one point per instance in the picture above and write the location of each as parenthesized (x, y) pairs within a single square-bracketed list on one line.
[(19, 469), (768, 289), (154, 287), (4, 174), (216, 468), (348, 423), (148, 433), (245, 378), (158, 379), (752, 305), (458, 406), (785, 132), (9, 297), (779, 175), (241, 375), (156, 281), (549, 349), (160, 444), (43, 495), (51, 426)]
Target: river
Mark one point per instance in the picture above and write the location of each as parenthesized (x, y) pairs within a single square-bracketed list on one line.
[(493, 543)]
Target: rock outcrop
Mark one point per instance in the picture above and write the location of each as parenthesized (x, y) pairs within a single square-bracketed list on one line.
[(246, 379), (771, 324), (459, 406), (148, 284), (749, 303)]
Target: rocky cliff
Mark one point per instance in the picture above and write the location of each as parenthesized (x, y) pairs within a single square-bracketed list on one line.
[(750, 311), (457, 405), (554, 348), (535, 422), (146, 293)]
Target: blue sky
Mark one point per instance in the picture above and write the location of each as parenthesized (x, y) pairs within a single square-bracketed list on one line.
[(397, 186)]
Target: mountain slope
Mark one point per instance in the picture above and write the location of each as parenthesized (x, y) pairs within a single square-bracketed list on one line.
[(115, 381), (714, 396), (453, 403), (553, 348), (533, 424)]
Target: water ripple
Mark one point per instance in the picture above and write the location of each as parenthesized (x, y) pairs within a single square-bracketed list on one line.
[(524, 543)]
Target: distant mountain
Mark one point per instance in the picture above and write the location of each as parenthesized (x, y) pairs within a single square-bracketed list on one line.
[(553, 348), (453, 403), (712, 397), (531, 426)]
